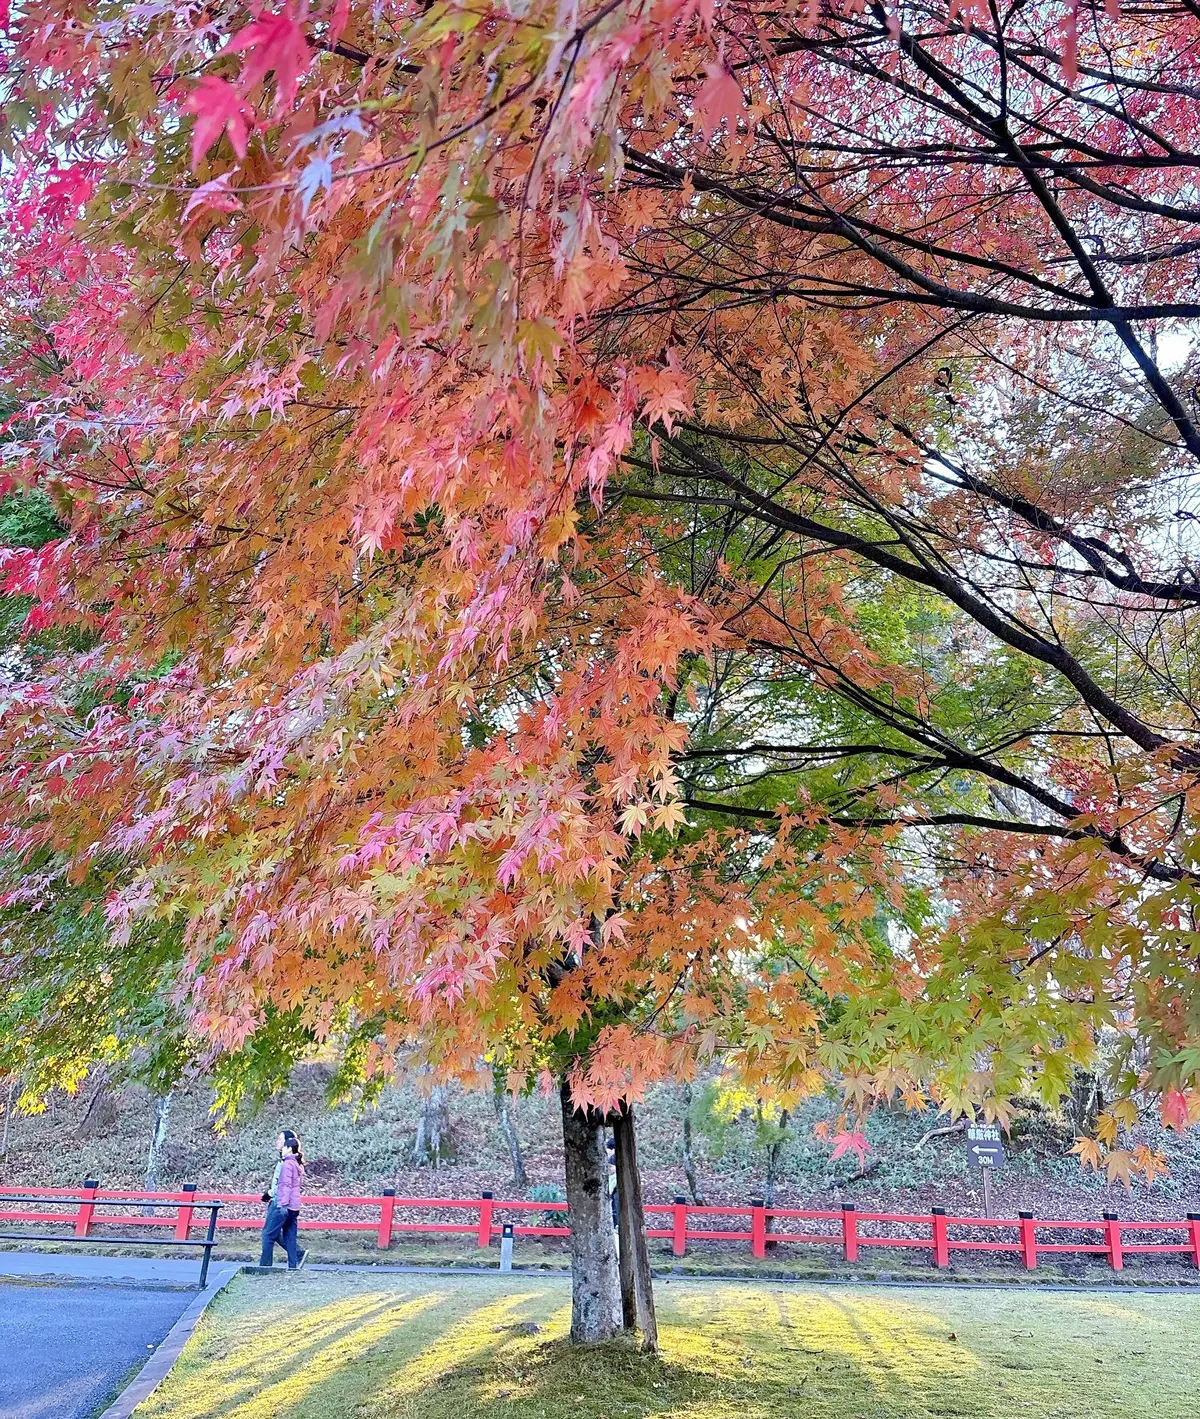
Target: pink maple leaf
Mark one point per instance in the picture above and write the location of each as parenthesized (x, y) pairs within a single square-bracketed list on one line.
[(219, 108), (273, 42), (719, 97), (1175, 1109), (340, 18), (215, 196), (855, 1143), (67, 190)]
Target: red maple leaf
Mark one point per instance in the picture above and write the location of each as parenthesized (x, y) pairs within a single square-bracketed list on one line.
[(67, 189)]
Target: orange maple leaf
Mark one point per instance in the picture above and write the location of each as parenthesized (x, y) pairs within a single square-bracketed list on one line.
[(1090, 1153)]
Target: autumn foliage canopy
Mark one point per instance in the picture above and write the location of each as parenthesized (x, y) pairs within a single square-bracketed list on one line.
[(607, 536)]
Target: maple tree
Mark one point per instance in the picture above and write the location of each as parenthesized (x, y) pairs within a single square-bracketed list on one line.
[(600, 537)]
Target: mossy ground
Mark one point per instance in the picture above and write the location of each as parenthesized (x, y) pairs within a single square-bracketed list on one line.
[(321, 1346)]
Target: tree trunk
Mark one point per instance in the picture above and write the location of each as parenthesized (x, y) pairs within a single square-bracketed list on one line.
[(774, 1152), (502, 1101), (689, 1164), (626, 1260), (8, 1109), (162, 1119), (433, 1144), (1085, 1101), (101, 1116), (637, 1288), (595, 1293)]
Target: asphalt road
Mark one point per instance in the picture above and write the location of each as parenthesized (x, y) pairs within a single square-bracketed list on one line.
[(66, 1350)]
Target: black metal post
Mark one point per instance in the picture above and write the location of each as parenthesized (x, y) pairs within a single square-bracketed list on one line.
[(208, 1244)]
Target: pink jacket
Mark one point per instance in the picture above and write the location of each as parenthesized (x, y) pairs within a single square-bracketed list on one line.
[(291, 1179)]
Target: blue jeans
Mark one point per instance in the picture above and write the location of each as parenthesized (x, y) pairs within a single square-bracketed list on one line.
[(280, 1226)]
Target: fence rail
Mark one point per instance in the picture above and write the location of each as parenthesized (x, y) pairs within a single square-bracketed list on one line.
[(847, 1229)]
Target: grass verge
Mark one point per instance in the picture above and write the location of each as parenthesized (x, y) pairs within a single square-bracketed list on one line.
[(317, 1346)]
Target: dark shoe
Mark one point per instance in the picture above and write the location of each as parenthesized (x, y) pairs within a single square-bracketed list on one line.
[(300, 1260)]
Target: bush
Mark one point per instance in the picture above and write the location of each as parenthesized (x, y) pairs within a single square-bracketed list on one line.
[(547, 1192)]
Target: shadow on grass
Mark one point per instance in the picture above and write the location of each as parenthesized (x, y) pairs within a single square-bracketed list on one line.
[(727, 1354), (555, 1379)]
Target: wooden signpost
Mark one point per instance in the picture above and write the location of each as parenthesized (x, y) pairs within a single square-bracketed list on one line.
[(985, 1148)]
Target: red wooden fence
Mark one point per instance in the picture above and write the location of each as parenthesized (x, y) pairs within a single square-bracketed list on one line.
[(847, 1229)]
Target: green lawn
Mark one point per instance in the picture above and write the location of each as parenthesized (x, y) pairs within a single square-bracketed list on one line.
[(317, 1346)]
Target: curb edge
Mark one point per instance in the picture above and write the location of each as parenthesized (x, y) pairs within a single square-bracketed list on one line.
[(162, 1362)]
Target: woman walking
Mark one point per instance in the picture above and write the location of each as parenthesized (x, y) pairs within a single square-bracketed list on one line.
[(283, 1204)]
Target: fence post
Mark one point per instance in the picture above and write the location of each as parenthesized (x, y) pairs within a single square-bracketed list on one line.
[(1112, 1229), (1194, 1229), (83, 1218), (941, 1238), (758, 1228), (485, 1221), (210, 1239), (183, 1218), (849, 1232), (387, 1206), (1028, 1240), (679, 1227)]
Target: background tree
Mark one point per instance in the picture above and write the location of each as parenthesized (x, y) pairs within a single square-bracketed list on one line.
[(503, 1103), (434, 1140)]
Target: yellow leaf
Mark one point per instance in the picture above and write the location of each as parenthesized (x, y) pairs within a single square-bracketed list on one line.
[(1117, 1166), (1125, 1111), (538, 337)]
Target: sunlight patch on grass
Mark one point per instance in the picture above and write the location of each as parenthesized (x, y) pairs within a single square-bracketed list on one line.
[(484, 1331), (257, 1371), (352, 1347)]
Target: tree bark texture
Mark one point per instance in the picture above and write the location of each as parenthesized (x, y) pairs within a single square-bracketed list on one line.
[(1085, 1101), (625, 1242), (8, 1112), (637, 1288), (595, 1292), (101, 1115)]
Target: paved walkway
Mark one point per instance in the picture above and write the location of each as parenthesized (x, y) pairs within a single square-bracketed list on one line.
[(69, 1345), (65, 1350)]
